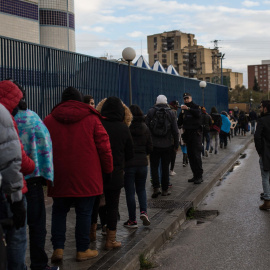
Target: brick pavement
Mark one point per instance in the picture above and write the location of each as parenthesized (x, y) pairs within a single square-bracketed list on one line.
[(166, 215)]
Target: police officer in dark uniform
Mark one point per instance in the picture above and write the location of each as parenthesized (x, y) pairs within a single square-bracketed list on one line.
[(190, 118)]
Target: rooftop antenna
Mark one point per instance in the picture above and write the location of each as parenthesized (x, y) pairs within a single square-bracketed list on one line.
[(215, 44)]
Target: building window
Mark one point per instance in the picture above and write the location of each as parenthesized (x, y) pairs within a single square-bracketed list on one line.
[(164, 61)]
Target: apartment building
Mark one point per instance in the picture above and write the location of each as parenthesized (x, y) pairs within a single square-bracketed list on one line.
[(262, 74), (189, 59), (45, 22)]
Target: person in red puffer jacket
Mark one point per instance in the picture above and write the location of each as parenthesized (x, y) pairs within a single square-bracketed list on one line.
[(10, 95), (81, 153)]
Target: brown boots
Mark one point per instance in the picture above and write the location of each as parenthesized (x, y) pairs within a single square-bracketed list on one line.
[(265, 205), (57, 256), (110, 240), (86, 255), (93, 232)]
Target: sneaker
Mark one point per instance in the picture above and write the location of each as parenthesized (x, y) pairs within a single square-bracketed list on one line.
[(51, 268), (206, 153), (184, 164), (131, 224), (172, 173), (144, 218)]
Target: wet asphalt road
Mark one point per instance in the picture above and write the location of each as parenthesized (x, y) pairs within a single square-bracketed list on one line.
[(238, 238)]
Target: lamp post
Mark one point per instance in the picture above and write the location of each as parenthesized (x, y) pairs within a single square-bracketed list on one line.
[(202, 84), (129, 54)]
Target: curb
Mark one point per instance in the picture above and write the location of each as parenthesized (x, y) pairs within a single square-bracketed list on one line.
[(164, 231)]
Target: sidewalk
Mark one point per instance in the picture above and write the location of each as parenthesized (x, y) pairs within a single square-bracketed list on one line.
[(166, 214)]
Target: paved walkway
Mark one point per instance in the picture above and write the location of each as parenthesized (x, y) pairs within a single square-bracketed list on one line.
[(166, 214)]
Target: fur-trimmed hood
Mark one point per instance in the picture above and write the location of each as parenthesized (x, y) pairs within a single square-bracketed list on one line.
[(112, 111)]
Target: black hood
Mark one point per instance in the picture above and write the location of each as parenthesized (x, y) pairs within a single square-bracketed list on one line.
[(113, 109)]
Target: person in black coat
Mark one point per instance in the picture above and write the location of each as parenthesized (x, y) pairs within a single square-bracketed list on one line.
[(136, 168), (262, 144), (190, 119), (118, 117)]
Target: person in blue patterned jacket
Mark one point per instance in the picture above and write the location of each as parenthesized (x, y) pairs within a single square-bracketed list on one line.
[(37, 143)]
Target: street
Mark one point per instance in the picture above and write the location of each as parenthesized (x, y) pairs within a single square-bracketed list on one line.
[(238, 238)]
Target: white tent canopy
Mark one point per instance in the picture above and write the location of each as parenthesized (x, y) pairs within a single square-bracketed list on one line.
[(158, 67), (141, 62), (172, 70)]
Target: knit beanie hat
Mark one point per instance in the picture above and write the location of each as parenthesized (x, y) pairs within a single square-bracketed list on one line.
[(161, 99), (71, 93)]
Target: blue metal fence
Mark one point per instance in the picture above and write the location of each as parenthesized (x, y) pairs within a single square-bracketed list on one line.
[(45, 72)]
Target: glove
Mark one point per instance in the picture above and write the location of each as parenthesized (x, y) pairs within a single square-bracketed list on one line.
[(19, 214)]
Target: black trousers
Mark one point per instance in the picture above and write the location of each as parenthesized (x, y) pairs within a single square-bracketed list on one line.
[(163, 154), (194, 150), (173, 157), (112, 203), (36, 220)]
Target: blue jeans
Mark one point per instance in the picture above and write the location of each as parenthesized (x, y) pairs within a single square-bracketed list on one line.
[(265, 181), (135, 178), (36, 220), (83, 209), (16, 239)]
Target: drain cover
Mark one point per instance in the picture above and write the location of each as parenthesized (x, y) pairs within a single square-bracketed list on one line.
[(167, 204), (204, 214)]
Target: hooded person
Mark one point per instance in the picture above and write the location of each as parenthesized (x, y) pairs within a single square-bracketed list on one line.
[(161, 121), (37, 143), (136, 168), (118, 118), (81, 153), (10, 96), (224, 130)]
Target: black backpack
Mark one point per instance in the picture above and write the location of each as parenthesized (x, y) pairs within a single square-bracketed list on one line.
[(160, 123)]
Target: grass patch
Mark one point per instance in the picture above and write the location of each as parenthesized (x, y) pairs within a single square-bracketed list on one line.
[(190, 213), (144, 263)]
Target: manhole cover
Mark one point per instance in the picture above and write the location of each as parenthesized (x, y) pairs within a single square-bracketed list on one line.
[(204, 214), (167, 204)]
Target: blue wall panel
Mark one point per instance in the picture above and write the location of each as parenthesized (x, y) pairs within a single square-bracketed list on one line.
[(46, 72)]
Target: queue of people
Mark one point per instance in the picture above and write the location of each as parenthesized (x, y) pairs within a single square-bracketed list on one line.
[(85, 155)]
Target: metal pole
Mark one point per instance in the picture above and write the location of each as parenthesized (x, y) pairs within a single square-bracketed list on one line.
[(203, 97), (130, 89), (221, 71)]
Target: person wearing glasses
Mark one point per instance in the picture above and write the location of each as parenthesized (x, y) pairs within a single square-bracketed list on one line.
[(190, 119), (89, 100)]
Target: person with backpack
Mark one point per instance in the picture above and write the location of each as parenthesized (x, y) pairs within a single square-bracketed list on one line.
[(215, 129), (162, 123), (224, 130), (190, 119), (206, 123)]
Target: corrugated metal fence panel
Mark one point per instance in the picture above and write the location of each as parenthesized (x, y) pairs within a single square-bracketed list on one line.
[(45, 72)]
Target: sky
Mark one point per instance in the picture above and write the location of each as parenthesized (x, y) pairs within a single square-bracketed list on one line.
[(242, 28)]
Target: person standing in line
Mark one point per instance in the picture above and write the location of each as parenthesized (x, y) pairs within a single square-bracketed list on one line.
[(36, 141), (10, 95), (117, 119), (206, 123), (224, 130), (262, 144), (136, 168), (190, 119), (163, 126), (253, 118), (243, 122), (215, 129), (81, 153), (89, 100), (11, 180), (174, 105)]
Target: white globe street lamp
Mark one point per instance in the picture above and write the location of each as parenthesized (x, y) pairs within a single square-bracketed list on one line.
[(129, 54), (202, 84)]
